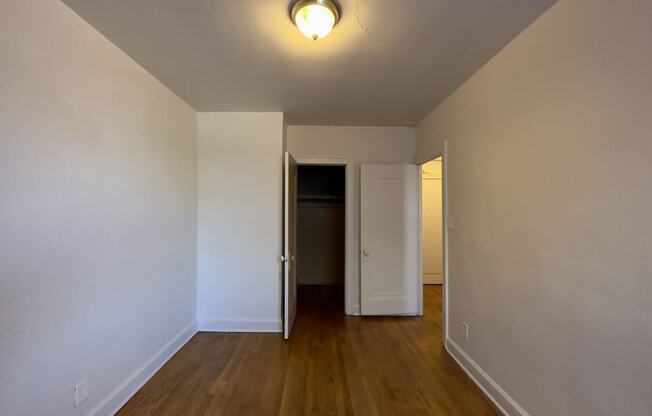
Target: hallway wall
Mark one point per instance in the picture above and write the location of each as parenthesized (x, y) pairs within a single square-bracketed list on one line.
[(432, 221), (550, 189)]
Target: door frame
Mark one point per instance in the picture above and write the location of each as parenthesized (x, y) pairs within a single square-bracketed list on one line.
[(443, 153), (351, 305)]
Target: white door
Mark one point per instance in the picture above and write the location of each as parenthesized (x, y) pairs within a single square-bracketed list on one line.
[(389, 231), (290, 244)]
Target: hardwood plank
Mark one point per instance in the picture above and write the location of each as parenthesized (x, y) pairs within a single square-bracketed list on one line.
[(332, 365)]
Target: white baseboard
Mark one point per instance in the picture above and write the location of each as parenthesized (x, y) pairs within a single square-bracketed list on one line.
[(124, 391), (240, 325), (356, 309), (503, 401)]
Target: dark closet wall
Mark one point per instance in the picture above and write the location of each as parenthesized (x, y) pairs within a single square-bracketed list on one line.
[(320, 223)]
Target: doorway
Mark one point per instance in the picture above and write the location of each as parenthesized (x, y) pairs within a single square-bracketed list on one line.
[(434, 234), (321, 226), (432, 214), (317, 194)]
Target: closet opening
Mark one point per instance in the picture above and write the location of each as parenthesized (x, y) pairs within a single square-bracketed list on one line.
[(321, 244)]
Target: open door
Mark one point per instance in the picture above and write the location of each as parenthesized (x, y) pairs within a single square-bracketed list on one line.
[(289, 244), (389, 232)]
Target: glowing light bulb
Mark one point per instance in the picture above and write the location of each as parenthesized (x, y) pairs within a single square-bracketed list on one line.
[(315, 19)]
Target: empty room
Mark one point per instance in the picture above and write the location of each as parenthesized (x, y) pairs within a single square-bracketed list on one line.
[(325, 208)]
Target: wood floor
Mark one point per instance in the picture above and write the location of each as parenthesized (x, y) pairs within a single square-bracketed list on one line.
[(333, 365)]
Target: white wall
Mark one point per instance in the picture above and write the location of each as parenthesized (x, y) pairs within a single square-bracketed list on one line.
[(97, 215), (550, 176), (364, 145), (240, 220)]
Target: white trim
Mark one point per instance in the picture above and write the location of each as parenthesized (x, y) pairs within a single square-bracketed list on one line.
[(241, 325), (420, 242), (351, 305), (117, 398), (500, 398), (446, 248)]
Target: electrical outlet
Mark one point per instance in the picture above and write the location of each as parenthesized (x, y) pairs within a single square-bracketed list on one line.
[(465, 330), (81, 392)]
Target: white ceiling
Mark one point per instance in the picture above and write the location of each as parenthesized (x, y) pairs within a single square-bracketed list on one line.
[(388, 62)]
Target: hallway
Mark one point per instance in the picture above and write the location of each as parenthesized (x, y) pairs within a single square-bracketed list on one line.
[(332, 365)]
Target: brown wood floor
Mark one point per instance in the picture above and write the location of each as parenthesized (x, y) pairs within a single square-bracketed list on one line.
[(332, 365)]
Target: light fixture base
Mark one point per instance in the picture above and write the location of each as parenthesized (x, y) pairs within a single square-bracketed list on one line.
[(329, 4)]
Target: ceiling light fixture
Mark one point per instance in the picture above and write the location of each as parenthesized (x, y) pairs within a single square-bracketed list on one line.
[(315, 18)]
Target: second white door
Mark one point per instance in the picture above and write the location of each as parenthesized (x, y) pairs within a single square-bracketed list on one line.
[(389, 227)]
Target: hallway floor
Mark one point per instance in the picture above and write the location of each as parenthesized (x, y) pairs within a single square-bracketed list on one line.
[(332, 365)]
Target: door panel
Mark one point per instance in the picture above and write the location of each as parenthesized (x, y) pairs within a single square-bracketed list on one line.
[(389, 221), (290, 244)]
